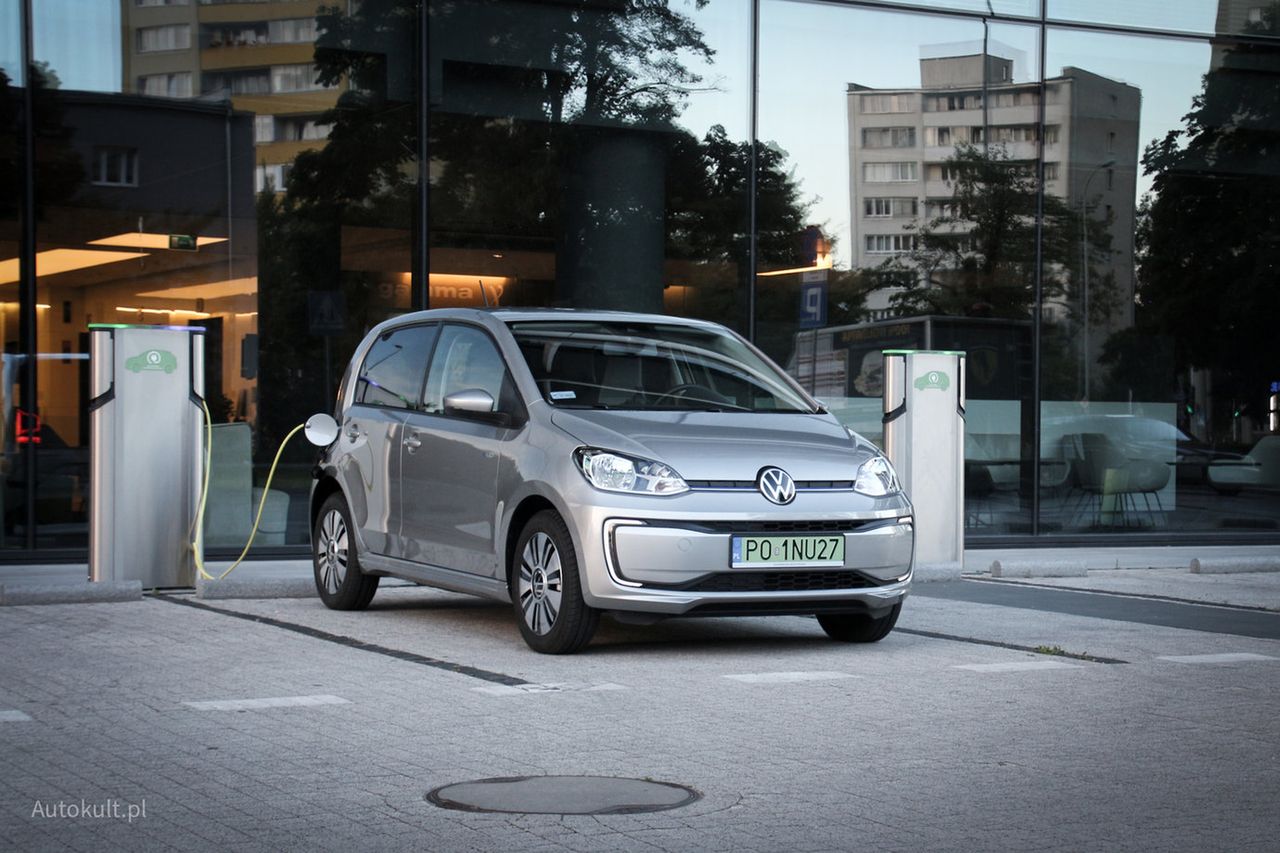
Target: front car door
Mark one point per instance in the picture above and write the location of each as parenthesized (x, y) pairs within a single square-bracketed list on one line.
[(370, 434), (449, 461)]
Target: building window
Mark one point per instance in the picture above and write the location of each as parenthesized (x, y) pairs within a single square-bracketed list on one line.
[(950, 103), (171, 37), (1051, 135), (1016, 99), (1013, 133), (264, 129), (176, 85), (273, 176), (143, 3), (1111, 142), (943, 172), (890, 244), (256, 82), (889, 172), (889, 207), (1255, 15), (291, 31), (1051, 171), (115, 167), (888, 103), (294, 78), (888, 137), (1111, 179), (298, 128), (940, 209)]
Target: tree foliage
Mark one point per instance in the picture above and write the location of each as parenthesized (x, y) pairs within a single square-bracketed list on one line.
[(1209, 234), (977, 256)]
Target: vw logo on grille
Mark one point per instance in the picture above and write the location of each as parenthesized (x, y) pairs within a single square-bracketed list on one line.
[(776, 485)]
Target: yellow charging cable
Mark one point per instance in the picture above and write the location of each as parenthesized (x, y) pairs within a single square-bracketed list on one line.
[(197, 540)]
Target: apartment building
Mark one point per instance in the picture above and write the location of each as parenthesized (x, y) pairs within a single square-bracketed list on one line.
[(257, 54), (900, 141)]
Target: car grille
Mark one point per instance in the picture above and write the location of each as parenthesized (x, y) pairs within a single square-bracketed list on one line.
[(779, 582), (750, 485), (767, 527)]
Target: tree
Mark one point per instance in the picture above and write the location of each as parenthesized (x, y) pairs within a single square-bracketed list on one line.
[(59, 171), (977, 256), (1209, 237)]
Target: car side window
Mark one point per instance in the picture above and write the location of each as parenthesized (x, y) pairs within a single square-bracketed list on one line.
[(392, 371), (466, 359)]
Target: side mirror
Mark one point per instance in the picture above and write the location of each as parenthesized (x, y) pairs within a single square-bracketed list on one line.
[(472, 401), (321, 430)]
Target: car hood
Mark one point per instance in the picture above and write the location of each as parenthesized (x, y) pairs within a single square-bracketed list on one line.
[(725, 445)]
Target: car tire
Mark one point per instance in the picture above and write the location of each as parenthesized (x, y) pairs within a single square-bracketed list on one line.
[(859, 627), (334, 558), (546, 589)]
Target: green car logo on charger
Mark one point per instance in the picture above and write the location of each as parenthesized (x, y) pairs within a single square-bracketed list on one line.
[(933, 379), (152, 359)]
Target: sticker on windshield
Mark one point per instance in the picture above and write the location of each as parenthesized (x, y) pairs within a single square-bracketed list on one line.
[(564, 395)]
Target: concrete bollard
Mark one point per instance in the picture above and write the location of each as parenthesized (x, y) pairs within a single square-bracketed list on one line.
[(84, 592), (1234, 565), (1038, 569)]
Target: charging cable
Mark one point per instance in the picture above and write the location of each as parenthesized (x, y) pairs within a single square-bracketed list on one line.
[(197, 541)]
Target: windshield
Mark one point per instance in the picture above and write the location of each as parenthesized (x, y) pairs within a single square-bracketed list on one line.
[(651, 366)]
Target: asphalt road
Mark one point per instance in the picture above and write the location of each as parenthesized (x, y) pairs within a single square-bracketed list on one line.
[(981, 725)]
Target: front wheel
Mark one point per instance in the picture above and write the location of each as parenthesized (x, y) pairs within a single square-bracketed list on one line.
[(546, 590), (859, 627), (339, 581)]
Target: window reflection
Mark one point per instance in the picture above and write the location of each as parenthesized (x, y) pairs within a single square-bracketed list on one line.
[(916, 160), (252, 167), (591, 156), (1168, 426)]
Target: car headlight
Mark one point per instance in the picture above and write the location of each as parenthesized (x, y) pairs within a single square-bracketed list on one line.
[(876, 478), (614, 472)]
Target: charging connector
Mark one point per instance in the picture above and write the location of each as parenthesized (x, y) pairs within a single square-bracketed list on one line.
[(197, 534)]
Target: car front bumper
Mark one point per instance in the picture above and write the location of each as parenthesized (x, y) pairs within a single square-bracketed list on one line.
[(672, 556)]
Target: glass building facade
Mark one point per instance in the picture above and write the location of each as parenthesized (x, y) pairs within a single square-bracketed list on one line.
[(1080, 195)]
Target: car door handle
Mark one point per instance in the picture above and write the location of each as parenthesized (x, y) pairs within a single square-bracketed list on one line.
[(412, 442), (353, 431)]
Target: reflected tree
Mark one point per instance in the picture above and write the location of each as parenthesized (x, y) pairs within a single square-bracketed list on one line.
[(977, 256), (61, 173), (1209, 234)]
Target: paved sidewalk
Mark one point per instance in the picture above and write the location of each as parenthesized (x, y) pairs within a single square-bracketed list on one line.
[(1157, 572), (275, 724)]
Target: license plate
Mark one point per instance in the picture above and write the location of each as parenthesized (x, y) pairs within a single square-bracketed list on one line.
[(787, 551)]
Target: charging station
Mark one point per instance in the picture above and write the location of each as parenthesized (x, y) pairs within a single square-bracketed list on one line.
[(924, 439), (146, 386)]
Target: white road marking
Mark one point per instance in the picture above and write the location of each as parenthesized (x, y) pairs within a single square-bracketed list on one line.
[(1227, 657), (1016, 666), (788, 677), (559, 687), (14, 717), (274, 702)]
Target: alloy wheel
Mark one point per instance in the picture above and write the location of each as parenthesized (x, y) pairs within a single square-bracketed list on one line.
[(540, 583), (331, 551)]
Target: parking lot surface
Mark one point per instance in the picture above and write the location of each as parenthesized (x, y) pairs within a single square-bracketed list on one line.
[(277, 724)]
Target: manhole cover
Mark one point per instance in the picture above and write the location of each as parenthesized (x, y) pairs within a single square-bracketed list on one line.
[(563, 795)]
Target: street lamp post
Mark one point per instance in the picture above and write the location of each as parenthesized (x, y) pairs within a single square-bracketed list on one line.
[(1084, 266)]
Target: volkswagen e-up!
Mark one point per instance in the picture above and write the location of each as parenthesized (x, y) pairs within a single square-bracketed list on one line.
[(581, 463)]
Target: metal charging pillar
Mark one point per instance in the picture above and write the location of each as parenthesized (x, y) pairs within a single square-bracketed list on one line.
[(924, 439), (146, 384)]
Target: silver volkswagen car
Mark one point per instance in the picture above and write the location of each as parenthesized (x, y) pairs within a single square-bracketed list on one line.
[(578, 463)]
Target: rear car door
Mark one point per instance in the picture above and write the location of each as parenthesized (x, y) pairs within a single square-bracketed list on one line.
[(450, 460), (387, 386)]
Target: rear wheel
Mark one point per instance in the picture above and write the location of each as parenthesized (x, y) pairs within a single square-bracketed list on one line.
[(859, 627), (339, 581), (546, 590)]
